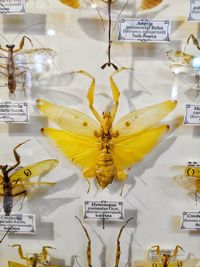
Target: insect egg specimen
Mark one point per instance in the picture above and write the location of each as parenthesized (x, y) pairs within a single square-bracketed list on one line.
[(15, 183), (103, 149)]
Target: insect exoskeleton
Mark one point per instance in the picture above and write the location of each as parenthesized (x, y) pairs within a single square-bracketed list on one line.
[(104, 149)]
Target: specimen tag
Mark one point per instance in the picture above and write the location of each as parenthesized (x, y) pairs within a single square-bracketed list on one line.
[(192, 115), (100, 210), (194, 14), (190, 221), (14, 112), (144, 30), (12, 6), (18, 223), (152, 253)]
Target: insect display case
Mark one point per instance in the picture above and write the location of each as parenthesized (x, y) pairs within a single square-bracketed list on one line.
[(101, 108)]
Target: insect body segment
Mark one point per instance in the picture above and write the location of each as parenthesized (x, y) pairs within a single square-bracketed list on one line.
[(104, 149), (15, 184)]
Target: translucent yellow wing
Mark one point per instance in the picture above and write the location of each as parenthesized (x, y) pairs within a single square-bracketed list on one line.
[(15, 264), (191, 184), (142, 119), (127, 150), (147, 264), (148, 4), (81, 150), (36, 169), (180, 58), (82, 3), (68, 119)]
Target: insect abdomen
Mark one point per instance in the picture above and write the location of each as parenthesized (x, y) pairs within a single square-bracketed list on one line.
[(7, 200), (105, 169)]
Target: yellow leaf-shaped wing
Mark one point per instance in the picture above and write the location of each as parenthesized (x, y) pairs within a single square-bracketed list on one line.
[(68, 119), (36, 169), (191, 184), (142, 119), (82, 3), (82, 150), (15, 264), (148, 4), (127, 150)]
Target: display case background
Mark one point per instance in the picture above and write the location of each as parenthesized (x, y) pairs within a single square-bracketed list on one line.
[(150, 194)]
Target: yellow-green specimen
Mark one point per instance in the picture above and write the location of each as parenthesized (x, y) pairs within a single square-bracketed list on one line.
[(103, 149)]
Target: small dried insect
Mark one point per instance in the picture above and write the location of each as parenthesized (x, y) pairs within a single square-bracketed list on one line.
[(184, 63), (89, 247), (142, 4), (15, 183), (166, 259), (17, 64), (190, 180), (102, 149), (36, 259)]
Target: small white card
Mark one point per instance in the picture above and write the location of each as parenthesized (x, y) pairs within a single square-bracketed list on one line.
[(18, 223), (194, 14), (14, 112), (108, 210), (190, 221), (144, 30), (152, 254), (12, 6), (192, 115)]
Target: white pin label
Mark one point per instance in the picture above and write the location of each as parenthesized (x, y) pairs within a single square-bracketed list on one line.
[(18, 223), (153, 255), (194, 14), (107, 210), (14, 112), (190, 221), (12, 6), (144, 30), (192, 115)]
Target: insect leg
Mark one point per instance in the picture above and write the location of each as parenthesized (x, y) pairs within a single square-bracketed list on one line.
[(89, 259), (90, 95), (118, 250), (175, 252), (194, 40), (157, 250), (5, 234), (44, 253), (22, 42), (5, 50), (16, 155), (20, 251)]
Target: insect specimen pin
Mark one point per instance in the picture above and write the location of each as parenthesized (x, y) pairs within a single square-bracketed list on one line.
[(104, 149)]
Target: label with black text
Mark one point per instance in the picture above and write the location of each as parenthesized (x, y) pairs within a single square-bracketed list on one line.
[(194, 14), (12, 6), (108, 210), (192, 115), (18, 223), (190, 221), (14, 112), (144, 30)]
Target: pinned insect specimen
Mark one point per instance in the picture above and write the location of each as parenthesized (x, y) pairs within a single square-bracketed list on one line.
[(89, 246), (16, 64), (15, 183), (166, 259), (186, 64), (37, 259), (105, 150), (142, 4), (190, 180)]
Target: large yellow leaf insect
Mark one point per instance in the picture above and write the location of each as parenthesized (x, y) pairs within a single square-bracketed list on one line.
[(166, 259), (36, 259), (15, 183), (142, 4), (189, 180), (184, 63), (104, 149), (89, 246)]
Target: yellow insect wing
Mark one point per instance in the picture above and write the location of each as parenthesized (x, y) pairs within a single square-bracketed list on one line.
[(191, 184), (148, 4), (82, 150), (71, 3), (68, 119), (142, 119), (179, 57), (192, 171), (147, 264), (128, 150), (36, 169), (15, 264)]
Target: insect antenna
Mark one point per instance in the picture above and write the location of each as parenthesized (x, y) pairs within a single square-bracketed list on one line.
[(120, 14), (93, 4), (4, 38)]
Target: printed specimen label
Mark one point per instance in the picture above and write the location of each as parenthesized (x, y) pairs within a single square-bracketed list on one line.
[(192, 115), (108, 210), (18, 223), (152, 253), (12, 6), (194, 14), (14, 112), (144, 30), (190, 221)]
